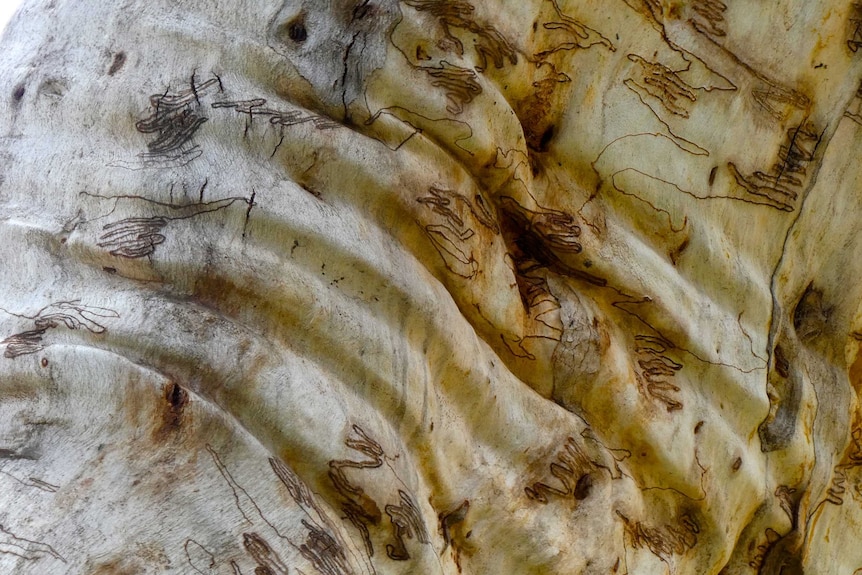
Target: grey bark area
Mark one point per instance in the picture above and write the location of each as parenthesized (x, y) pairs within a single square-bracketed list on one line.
[(431, 286)]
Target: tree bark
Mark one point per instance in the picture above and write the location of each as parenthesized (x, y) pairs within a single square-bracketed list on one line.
[(431, 286)]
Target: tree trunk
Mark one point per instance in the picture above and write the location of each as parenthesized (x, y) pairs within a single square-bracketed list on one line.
[(430, 286)]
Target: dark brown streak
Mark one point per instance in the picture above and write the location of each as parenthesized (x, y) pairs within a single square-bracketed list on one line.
[(450, 519), (344, 75), (194, 88), (248, 212), (712, 11), (277, 146), (201, 191)]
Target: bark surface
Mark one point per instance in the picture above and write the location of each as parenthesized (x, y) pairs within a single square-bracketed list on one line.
[(431, 286)]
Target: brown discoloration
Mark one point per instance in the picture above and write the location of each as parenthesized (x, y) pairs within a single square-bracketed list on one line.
[(811, 315), (268, 561), (584, 487), (18, 93), (737, 464), (677, 253), (452, 518), (117, 63), (448, 521), (173, 413), (296, 30), (116, 566), (535, 113), (783, 556), (855, 373), (782, 365), (142, 558)]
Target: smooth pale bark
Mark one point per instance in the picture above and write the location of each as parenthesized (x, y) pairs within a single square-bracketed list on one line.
[(430, 286)]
